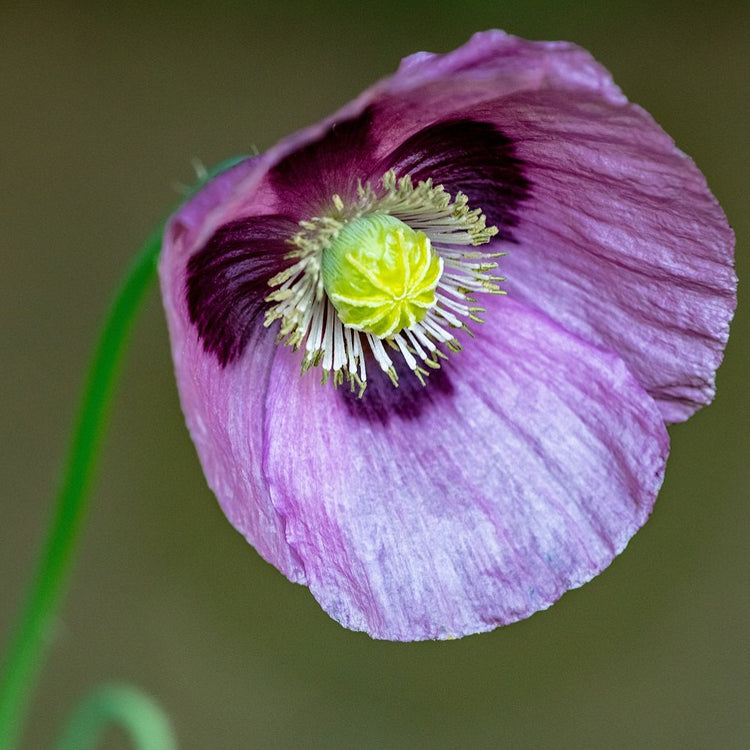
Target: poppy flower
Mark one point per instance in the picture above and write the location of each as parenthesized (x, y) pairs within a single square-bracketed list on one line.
[(427, 348)]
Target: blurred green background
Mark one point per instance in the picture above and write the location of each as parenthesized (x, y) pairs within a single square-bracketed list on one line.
[(103, 107)]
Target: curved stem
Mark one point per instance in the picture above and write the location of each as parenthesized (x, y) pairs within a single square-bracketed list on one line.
[(25, 651), (24, 655), (145, 723)]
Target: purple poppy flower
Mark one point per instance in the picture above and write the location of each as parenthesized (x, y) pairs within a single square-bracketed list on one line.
[(482, 444)]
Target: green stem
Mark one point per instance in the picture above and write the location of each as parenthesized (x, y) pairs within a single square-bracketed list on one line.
[(24, 656), (26, 648), (145, 723)]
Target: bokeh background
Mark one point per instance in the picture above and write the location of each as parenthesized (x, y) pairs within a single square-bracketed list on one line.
[(104, 105)]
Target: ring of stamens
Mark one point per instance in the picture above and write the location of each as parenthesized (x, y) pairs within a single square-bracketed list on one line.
[(310, 321)]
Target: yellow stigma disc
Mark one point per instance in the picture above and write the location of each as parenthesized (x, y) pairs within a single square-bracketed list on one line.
[(380, 275)]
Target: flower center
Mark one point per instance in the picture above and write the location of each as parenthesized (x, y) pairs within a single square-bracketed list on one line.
[(381, 275), (390, 274)]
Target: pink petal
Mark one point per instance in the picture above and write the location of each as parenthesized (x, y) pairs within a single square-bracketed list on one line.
[(618, 237), (223, 406), (622, 242), (475, 501)]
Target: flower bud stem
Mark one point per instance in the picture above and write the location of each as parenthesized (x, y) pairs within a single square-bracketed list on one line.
[(136, 713)]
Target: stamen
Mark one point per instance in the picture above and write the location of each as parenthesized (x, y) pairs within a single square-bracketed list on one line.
[(393, 267)]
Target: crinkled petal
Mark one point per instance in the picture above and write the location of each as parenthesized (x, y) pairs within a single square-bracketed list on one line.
[(518, 472), (621, 241), (224, 405), (507, 64), (618, 236)]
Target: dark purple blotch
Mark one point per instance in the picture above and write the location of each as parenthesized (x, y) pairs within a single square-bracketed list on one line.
[(381, 402), (306, 180), (472, 157), (227, 281)]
